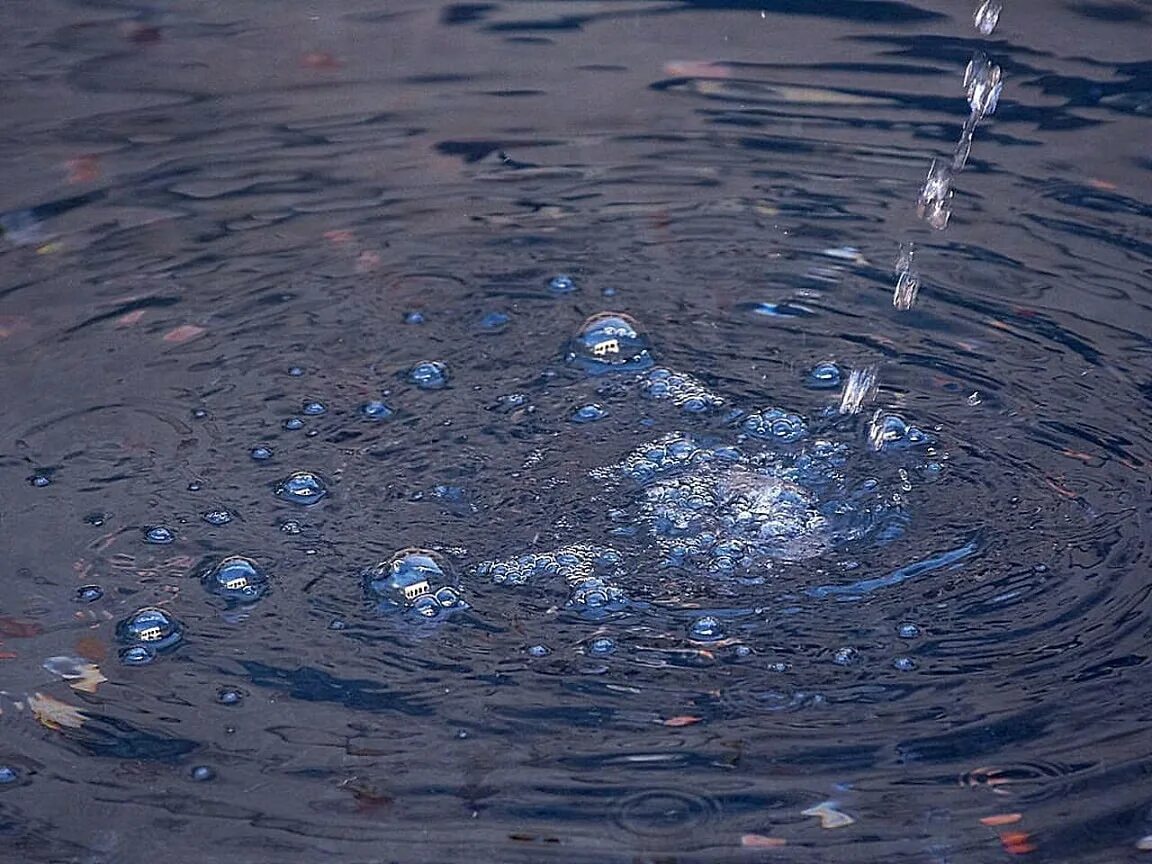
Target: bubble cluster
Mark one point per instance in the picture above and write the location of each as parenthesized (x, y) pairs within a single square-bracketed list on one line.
[(891, 432), (610, 342), (145, 633), (685, 392), (589, 571), (235, 578), (412, 580), (775, 424), (724, 511), (301, 487)]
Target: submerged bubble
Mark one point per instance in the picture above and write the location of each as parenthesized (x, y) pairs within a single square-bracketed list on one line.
[(610, 342), (159, 535), (823, 376), (429, 375), (236, 578), (137, 655), (589, 413), (302, 487), (150, 628), (495, 320)]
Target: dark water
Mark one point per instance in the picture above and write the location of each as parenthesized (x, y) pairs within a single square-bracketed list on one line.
[(930, 612)]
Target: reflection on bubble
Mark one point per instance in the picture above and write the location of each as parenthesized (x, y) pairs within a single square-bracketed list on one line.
[(429, 375), (302, 487), (413, 580), (237, 579), (146, 632), (610, 342)]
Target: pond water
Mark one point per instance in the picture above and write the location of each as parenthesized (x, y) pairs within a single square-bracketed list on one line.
[(340, 524)]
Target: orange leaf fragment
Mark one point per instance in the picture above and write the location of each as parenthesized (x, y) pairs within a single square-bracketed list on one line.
[(130, 318), (54, 714), (321, 60), (183, 333), (762, 841), (682, 720), (1001, 819), (1017, 842), (83, 169), (19, 629)]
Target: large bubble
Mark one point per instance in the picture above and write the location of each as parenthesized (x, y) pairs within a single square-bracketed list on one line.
[(610, 342)]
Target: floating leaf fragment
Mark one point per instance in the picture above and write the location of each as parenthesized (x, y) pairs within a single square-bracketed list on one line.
[(681, 720), (80, 674), (762, 841), (18, 629), (1000, 819), (1017, 842), (830, 817), (54, 714), (183, 333)]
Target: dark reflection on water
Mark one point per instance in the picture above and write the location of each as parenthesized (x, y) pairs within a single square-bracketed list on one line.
[(231, 233)]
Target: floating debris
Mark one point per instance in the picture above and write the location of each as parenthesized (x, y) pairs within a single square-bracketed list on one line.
[(761, 841), (78, 672), (829, 816)]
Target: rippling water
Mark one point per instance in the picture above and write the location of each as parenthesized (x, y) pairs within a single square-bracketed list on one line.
[(840, 554)]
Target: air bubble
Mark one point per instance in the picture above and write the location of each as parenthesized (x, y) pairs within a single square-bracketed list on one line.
[(706, 629), (539, 651), (904, 664), (261, 454), (219, 516), (562, 284), (823, 376), (601, 647), (302, 487), (202, 774), (236, 578), (376, 410), (313, 409), (908, 631), (589, 413), (293, 423), (229, 696), (414, 317), (495, 320), (159, 535), (39, 480), (89, 593), (8, 775), (150, 628), (411, 579), (775, 424), (610, 342), (845, 656), (429, 375)]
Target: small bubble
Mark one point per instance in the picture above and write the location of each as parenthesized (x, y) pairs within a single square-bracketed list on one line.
[(562, 284), (376, 410), (706, 629), (823, 377), (260, 454), (195, 486), (295, 371), (313, 409), (601, 647), (974, 399), (199, 413), (39, 480), (202, 773), (290, 527), (845, 656), (742, 651), (293, 423), (302, 487), (8, 774), (414, 317), (137, 655), (219, 516), (495, 320), (908, 631), (461, 733), (589, 413), (337, 624), (159, 535), (96, 518), (89, 593), (429, 375), (539, 651), (229, 696), (904, 664)]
